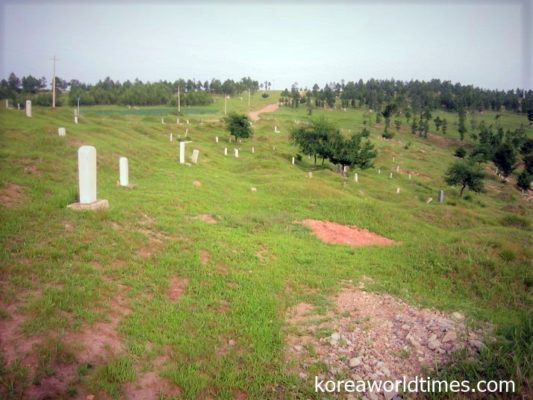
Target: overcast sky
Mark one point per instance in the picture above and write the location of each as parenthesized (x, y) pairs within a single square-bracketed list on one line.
[(485, 43)]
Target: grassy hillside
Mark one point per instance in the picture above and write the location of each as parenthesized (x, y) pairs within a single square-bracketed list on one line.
[(63, 271)]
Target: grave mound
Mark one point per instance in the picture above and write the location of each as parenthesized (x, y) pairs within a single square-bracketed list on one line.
[(333, 233)]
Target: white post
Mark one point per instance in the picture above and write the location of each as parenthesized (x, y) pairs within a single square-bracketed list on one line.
[(76, 119), (87, 174), (225, 104), (170, 137), (18, 106), (293, 161), (195, 154), (179, 103), (253, 149), (225, 151), (28, 108), (186, 132), (356, 178), (393, 159), (187, 122), (216, 139), (177, 121), (379, 171), (236, 153), (124, 173), (409, 176), (390, 175), (397, 190), (54, 84), (7, 104), (61, 131), (182, 152), (310, 174), (398, 169)]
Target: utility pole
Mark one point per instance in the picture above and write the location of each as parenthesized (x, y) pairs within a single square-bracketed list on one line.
[(179, 102), (54, 83), (249, 98), (225, 104)]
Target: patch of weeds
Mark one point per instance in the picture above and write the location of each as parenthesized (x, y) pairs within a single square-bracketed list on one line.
[(323, 332), (516, 222), (403, 354), (508, 255), (50, 353), (12, 379), (110, 377)]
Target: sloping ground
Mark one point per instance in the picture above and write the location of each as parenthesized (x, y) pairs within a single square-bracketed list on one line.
[(369, 336)]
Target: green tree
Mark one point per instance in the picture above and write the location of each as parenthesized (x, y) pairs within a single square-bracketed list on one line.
[(465, 174), (524, 180), (238, 125), (460, 152), (505, 159), (444, 126), (314, 138), (462, 127)]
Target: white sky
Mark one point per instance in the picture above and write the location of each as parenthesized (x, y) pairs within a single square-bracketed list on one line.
[(480, 42)]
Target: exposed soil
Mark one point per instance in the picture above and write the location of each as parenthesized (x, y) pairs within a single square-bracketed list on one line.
[(208, 218), (254, 115), (373, 336), (331, 232), (11, 195), (204, 257), (197, 184), (177, 288), (150, 386)]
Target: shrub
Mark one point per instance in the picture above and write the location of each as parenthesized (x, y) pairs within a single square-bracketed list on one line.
[(388, 135), (460, 152)]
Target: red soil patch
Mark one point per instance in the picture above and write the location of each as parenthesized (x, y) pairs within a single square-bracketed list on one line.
[(11, 195), (177, 288), (333, 233), (254, 115), (204, 257), (150, 386)]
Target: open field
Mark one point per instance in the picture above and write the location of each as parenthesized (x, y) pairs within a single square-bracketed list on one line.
[(185, 281)]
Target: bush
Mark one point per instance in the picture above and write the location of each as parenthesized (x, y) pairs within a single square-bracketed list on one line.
[(524, 180), (388, 135), (265, 95), (238, 125), (460, 152)]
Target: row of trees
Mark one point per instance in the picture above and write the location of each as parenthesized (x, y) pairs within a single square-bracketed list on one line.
[(109, 91), (321, 139), (415, 96)]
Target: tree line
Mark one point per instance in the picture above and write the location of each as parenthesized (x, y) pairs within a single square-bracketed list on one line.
[(413, 96), (109, 91)]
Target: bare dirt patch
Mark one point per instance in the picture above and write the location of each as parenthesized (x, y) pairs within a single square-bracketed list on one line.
[(208, 218), (11, 195), (177, 288), (150, 386), (333, 233), (204, 257), (254, 115), (373, 336)]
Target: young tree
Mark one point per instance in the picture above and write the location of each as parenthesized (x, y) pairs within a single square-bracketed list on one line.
[(238, 125), (505, 159), (314, 139), (444, 126), (414, 126), (462, 127), (465, 174), (524, 180), (460, 152)]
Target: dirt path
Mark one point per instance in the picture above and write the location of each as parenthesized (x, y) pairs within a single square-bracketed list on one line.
[(254, 115)]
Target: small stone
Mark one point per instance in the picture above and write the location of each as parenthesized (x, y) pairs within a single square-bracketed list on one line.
[(434, 344), (354, 362), (475, 343), (458, 316), (253, 189), (197, 183), (298, 347), (231, 342), (302, 375), (405, 327), (449, 337), (335, 336)]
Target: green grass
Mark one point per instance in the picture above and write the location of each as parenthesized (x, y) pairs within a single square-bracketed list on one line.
[(64, 268)]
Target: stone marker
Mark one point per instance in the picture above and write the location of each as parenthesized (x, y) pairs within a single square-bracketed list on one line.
[(379, 171), (187, 122), (124, 172), (276, 130), (18, 106), (225, 151), (216, 139), (409, 176), (356, 178), (398, 169), (170, 137), (177, 121), (393, 159), (441, 196), (182, 151), (253, 150), (76, 119), (163, 121), (195, 154), (87, 181), (186, 132), (345, 170), (7, 104), (310, 174), (28, 108), (429, 200), (293, 161), (61, 131), (390, 175), (236, 153), (397, 190)]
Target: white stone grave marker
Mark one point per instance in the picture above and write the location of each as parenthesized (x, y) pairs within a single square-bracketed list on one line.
[(28, 108), (253, 150), (225, 151), (124, 172), (170, 137), (293, 161), (195, 154), (397, 190), (182, 151), (236, 153), (87, 174), (216, 139), (441, 196), (390, 175), (356, 178), (76, 119), (61, 131)]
